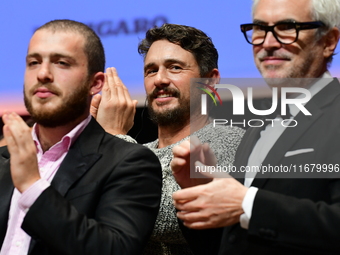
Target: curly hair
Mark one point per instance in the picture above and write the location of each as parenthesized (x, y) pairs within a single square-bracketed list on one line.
[(189, 38)]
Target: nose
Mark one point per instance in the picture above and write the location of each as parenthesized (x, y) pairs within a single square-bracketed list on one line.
[(270, 41), (162, 78), (45, 74)]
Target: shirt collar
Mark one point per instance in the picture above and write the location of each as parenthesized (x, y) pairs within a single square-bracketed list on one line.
[(314, 88), (66, 141)]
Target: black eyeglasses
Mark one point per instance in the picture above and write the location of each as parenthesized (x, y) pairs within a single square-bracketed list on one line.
[(284, 32)]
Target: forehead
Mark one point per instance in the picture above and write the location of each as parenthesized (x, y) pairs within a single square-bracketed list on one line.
[(45, 42), (272, 11), (163, 50)]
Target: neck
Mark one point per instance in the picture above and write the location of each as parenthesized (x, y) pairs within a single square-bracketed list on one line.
[(50, 136), (168, 135)]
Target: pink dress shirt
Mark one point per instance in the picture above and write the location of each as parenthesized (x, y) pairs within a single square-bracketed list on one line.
[(16, 241)]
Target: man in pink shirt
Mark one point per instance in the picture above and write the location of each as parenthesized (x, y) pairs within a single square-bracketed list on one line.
[(68, 187)]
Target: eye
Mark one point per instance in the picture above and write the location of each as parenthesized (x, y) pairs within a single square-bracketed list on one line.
[(32, 63), (258, 28), (63, 63), (175, 68), (150, 72), (285, 26)]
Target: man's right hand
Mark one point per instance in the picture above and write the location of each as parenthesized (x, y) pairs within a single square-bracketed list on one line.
[(24, 164), (114, 109), (185, 156)]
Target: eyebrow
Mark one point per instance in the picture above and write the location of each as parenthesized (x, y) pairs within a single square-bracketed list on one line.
[(53, 55), (261, 22), (167, 61)]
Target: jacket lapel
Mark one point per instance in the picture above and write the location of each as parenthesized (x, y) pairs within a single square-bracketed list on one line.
[(292, 135), (80, 158)]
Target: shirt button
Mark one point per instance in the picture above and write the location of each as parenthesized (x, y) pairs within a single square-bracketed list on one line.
[(17, 243)]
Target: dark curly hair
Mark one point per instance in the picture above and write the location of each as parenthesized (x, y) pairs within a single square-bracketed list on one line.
[(189, 38)]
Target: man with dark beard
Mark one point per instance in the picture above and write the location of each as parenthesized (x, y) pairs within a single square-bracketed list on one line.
[(67, 186), (173, 55)]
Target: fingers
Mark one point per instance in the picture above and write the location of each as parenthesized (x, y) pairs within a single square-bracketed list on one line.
[(111, 83), (198, 225), (116, 110), (195, 220), (181, 154), (181, 197), (114, 89), (182, 150), (116, 80), (9, 139), (177, 164), (209, 155), (95, 102), (23, 162), (15, 126), (187, 205), (17, 133), (194, 142)]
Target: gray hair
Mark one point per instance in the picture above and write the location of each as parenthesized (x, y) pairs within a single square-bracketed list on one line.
[(327, 11)]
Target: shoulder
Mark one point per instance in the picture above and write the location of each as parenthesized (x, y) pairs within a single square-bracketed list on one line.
[(122, 146), (128, 158), (216, 133)]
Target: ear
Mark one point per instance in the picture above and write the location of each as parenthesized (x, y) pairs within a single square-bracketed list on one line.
[(215, 77), (331, 42), (97, 83)]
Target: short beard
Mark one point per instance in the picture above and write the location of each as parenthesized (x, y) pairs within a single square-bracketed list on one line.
[(73, 106), (176, 117)]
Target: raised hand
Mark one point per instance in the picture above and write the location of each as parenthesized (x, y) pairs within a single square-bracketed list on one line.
[(114, 109), (24, 164)]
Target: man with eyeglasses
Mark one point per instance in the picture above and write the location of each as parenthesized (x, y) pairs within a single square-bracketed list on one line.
[(292, 40)]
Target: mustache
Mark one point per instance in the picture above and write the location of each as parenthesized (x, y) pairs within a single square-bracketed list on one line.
[(264, 54), (49, 86), (155, 92)]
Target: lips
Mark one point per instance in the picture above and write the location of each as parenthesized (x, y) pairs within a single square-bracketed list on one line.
[(162, 98), (273, 57), (43, 92), (163, 95), (273, 61)]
